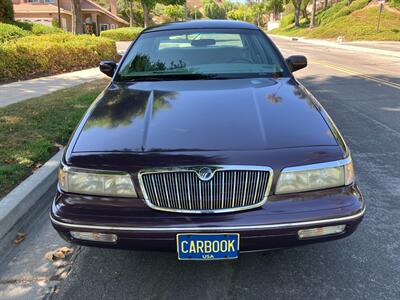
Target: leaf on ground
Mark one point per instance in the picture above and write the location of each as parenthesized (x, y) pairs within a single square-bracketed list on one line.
[(59, 146), (37, 166), (59, 253), (20, 237)]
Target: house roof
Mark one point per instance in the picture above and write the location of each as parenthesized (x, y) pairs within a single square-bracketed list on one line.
[(38, 8), (86, 6)]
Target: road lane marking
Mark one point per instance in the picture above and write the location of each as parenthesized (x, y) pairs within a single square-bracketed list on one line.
[(358, 74)]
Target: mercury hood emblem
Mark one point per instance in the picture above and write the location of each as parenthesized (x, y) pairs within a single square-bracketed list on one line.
[(205, 174)]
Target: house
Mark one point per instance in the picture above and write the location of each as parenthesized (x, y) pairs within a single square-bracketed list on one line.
[(95, 18)]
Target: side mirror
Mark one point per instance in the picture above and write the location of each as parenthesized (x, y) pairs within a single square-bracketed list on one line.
[(108, 67), (296, 62)]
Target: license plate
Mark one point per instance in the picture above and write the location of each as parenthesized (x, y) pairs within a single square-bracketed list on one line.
[(192, 246)]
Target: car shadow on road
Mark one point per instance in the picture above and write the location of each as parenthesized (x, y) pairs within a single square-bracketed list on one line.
[(278, 274)]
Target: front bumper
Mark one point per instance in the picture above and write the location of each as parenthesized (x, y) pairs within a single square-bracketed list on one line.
[(274, 225)]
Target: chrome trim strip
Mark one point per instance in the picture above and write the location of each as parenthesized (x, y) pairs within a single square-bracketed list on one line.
[(214, 168), (213, 229), (330, 164), (92, 171)]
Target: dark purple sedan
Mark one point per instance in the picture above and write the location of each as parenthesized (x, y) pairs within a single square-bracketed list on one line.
[(204, 143)]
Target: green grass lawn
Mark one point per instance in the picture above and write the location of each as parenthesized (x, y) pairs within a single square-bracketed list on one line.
[(359, 25), (32, 131)]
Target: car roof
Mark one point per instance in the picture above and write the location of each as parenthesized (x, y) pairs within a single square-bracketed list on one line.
[(203, 24)]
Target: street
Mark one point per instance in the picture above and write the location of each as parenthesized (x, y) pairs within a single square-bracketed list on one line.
[(361, 92)]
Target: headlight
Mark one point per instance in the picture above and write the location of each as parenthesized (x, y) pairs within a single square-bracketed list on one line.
[(315, 177), (92, 182)]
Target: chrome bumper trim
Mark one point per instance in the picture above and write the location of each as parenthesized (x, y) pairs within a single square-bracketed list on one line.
[(213, 229)]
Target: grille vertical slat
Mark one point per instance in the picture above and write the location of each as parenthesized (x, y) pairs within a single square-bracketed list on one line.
[(184, 191), (223, 191), (233, 189)]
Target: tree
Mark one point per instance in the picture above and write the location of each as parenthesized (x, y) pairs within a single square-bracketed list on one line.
[(134, 15), (257, 13), (304, 5), (175, 12), (313, 9), (275, 7), (130, 13), (212, 10), (241, 13), (6, 11), (195, 13), (297, 10), (148, 5), (77, 24), (227, 6)]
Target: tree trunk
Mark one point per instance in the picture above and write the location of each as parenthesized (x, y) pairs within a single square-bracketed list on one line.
[(131, 13), (77, 24), (145, 13), (297, 10), (314, 7), (304, 13), (186, 11)]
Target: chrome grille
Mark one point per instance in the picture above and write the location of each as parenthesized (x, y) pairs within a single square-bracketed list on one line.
[(230, 188)]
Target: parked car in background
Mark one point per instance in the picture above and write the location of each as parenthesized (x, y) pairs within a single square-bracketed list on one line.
[(204, 143)]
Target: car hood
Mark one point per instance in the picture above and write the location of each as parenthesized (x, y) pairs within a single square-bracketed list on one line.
[(196, 115)]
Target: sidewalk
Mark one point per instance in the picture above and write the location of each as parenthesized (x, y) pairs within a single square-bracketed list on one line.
[(22, 90), (381, 48)]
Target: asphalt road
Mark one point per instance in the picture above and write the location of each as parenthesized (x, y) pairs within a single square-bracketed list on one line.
[(362, 94)]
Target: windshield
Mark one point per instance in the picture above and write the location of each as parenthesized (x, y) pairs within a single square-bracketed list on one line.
[(200, 53)]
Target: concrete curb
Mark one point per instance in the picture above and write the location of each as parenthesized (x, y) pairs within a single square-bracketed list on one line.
[(338, 45), (23, 198)]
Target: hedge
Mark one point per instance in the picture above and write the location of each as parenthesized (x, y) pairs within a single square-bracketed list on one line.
[(122, 34), (16, 30), (37, 28), (10, 32), (34, 56)]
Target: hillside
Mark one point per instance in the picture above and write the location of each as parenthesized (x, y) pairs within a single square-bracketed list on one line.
[(355, 22)]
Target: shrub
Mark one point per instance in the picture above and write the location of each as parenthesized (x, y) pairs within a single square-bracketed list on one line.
[(122, 34), (21, 29), (213, 10), (175, 12), (286, 20), (6, 11), (33, 56), (195, 13), (395, 3), (38, 29), (9, 32)]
